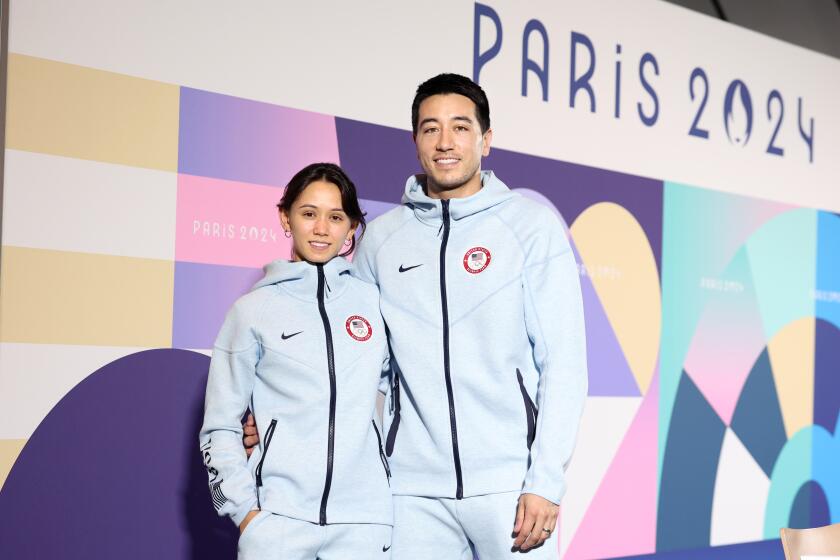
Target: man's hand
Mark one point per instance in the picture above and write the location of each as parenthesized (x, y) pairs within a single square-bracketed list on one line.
[(534, 514), (250, 439), (251, 515)]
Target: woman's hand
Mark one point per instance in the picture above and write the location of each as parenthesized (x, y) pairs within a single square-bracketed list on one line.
[(250, 437), (251, 515)]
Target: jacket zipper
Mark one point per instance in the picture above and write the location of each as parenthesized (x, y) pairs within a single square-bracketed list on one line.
[(381, 453), (269, 433), (395, 423), (459, 490), (530, 410), (331, 366)]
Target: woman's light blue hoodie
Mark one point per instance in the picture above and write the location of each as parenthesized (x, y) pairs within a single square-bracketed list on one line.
[(482, 299), (304, 351)]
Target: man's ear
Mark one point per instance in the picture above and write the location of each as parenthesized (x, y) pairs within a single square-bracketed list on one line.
[(487, 138)]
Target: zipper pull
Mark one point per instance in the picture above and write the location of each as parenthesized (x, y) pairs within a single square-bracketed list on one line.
[(391, 405)]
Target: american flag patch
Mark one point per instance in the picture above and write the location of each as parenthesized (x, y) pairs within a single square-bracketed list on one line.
[(218, 496)]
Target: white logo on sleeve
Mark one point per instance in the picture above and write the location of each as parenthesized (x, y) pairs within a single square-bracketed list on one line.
[(476, 260)]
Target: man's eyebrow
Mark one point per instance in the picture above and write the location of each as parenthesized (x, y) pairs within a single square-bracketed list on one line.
[(427, 120), (455, 118)]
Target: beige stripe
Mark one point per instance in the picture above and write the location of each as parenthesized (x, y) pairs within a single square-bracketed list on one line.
[(56, 297), (70, 110), (791, 352), (9, 451)]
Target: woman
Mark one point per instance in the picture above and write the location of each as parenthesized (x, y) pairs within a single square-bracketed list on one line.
[(303, 351)]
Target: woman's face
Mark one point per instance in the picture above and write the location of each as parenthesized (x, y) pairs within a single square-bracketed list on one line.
[(318, 224)]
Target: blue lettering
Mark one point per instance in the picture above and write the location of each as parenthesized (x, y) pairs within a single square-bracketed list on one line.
[(617, 112), (695, 129), (807, 137), (582, 83), (480, 59), (530, 65), (648, 58), (738, 119)]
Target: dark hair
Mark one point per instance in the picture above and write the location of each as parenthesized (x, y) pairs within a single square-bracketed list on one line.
[(452, 83), (331, 173)]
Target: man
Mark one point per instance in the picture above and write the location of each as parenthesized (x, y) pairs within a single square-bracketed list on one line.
[(480, 294)]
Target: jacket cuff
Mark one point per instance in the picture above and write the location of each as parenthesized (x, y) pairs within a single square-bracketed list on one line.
[(551, 492), (239, 516)]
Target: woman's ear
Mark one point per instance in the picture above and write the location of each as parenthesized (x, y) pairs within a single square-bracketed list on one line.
[(352, 232), (284, 221)]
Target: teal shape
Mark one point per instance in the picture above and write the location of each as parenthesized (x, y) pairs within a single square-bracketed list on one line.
[(794, 469)]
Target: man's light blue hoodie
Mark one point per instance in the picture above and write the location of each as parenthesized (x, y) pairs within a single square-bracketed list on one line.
[(482, 300), (304, 351)]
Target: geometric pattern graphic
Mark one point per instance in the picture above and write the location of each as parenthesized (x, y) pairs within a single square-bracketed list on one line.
[(712, 321), (742, 450)]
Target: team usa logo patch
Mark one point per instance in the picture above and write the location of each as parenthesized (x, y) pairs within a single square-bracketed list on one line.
[(476, 260), (358, 328)]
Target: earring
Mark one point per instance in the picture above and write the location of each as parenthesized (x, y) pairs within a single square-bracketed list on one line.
[(347, 243), (287, 233)]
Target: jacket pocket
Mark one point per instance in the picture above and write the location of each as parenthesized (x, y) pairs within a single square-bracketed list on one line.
[(395, 423), (251, 528), (381, 452), (269, 434), (530, 409)]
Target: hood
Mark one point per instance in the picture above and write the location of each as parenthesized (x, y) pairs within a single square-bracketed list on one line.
[(301, 277), (429, 210)]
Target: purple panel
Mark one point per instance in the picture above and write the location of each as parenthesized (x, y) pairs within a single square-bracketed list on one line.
[(373, 209), (573, 188), (203, 295), (379, 159), (609, 373), (232, 138), (114, 470)]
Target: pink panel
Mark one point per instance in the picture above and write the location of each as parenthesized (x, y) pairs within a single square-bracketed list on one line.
[(229, 223), (621, 519), (728, 339)]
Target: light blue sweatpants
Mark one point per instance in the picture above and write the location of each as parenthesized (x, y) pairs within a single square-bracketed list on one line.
[(448, 529), (275, 537)]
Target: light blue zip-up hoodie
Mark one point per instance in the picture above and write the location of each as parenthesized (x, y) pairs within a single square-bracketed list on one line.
[(483, 305), (304, 350)]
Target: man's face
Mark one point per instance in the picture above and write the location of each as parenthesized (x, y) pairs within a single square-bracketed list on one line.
[(450, 145)]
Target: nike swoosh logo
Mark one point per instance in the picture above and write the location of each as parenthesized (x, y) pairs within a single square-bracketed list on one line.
[(285, 336), (386, 548), (407, 268)]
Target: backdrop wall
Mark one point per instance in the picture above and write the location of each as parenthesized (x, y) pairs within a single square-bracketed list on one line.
[(693, 163)]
